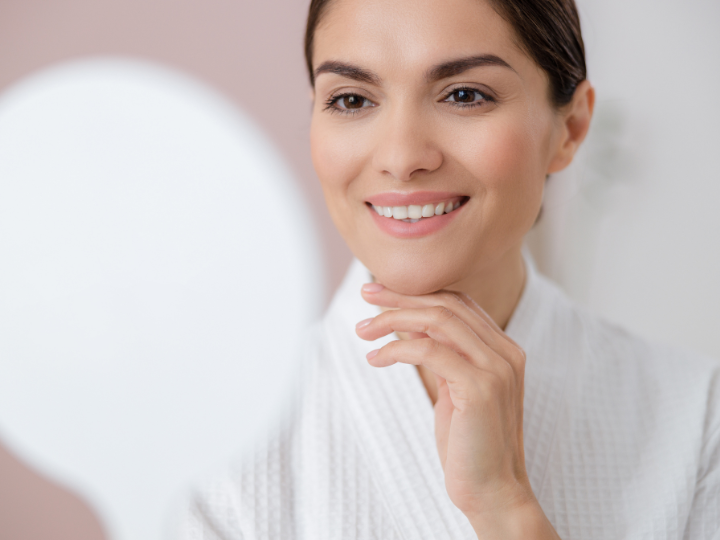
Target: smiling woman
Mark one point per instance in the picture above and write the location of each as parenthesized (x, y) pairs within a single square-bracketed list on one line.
[(508, 411)]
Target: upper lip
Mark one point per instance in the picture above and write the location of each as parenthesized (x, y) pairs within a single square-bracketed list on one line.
[(396, 198)]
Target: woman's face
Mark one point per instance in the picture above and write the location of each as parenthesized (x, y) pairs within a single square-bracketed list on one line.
[(430, 102)]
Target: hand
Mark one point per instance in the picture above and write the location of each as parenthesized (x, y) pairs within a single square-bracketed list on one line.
[(479, 409)]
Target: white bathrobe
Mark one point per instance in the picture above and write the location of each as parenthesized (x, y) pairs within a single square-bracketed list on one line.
[(622, 438)]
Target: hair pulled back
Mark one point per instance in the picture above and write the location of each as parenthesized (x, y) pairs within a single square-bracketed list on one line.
[(547, 30)]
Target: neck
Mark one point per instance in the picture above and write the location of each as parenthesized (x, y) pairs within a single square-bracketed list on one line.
[(497, 288)]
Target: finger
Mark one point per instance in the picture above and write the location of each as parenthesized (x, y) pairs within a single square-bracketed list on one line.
[(377, 294), (439, 359), (459, 303), (440, 324), (465, 308)]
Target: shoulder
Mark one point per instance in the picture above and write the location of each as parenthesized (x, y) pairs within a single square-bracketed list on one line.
[(642, 415), (670, 384)]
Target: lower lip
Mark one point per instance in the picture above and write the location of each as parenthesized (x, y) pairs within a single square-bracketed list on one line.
[(424, 227)]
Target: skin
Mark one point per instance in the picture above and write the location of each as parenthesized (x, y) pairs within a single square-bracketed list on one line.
[(450, 293)]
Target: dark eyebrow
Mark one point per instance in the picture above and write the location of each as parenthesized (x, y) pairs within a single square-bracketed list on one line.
[(455, 67), (440, 71), (349, 71)]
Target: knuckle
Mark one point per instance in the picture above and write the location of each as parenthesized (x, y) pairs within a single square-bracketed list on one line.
[(429, 347), (508, 375), (442, 314), (519, 357), (506, 371)]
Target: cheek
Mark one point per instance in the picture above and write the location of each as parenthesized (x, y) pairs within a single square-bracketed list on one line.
[(340, 154), (324, 150), (331, 170), (509, 161), (337, 162)]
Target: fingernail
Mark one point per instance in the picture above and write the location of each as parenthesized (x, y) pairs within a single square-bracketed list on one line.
[(372, 287), (372, 354), (363, 324)]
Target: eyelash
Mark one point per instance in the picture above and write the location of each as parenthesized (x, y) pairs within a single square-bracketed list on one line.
[(330, 103)]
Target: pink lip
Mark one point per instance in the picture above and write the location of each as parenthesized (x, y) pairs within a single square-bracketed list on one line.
[(424, 227), (412, 197)]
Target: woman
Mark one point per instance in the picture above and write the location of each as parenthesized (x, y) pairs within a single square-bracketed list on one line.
[(508, 412)]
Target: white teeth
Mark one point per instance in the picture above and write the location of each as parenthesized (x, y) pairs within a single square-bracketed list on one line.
[(414, 211), (400, 212)]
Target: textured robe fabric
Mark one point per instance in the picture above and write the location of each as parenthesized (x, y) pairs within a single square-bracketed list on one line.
[(622, 438)]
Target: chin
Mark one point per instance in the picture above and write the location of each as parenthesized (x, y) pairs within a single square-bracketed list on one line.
[(414, 275)]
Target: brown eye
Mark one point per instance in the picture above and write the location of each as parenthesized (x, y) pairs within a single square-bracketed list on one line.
[(467, 97), (464, 96), (348, 104), (352, 101)]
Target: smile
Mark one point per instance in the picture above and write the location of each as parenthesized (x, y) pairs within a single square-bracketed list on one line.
[(414, 212)]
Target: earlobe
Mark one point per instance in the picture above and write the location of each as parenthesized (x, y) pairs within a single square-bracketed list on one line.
[(575, 126)]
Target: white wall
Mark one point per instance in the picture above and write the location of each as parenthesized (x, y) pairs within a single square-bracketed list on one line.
[(632, 228)]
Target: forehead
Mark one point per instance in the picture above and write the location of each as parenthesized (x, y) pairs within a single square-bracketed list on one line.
[(394, 36)]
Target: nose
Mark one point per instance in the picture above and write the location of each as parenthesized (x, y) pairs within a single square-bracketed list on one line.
[(405, 146)]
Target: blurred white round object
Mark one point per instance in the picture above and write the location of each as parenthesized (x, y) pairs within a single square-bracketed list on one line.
[(159, 266)]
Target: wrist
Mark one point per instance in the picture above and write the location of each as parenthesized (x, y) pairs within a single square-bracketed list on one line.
[(526, 521)]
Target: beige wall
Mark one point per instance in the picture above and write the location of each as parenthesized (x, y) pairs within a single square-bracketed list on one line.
[(251, 51)]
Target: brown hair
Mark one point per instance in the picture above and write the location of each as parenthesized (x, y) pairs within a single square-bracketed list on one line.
[(548, 31)]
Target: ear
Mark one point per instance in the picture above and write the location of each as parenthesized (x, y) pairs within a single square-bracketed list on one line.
[(574, 125)]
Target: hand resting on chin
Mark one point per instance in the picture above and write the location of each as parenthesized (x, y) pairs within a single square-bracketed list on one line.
[(479, 409)]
